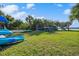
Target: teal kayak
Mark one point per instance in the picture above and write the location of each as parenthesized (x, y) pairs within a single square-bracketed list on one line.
[(3, 31), (10, 40)]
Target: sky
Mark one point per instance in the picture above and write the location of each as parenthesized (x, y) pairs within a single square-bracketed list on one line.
[(50, 11)]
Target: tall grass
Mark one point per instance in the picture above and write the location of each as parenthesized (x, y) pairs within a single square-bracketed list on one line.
[(46, 44)]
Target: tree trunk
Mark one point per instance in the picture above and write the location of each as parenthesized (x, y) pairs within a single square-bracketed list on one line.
[(68, 27)]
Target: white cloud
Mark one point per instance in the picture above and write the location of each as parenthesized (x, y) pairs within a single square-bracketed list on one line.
[(20, 15), (30, 6), (14, 11), (72, 4), (67, 11), (59, 5), (38, 17), (10, 9)]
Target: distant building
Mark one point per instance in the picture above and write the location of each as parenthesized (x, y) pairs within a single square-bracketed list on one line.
[(47, 29)]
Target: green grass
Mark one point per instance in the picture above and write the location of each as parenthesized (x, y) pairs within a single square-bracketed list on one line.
[(45, 44)]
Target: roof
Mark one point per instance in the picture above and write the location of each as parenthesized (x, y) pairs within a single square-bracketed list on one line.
[(3, 19)]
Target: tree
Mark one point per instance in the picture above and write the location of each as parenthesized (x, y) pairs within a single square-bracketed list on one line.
[(10, 18), (23, 26), (29, 19), (15, 25), (63, 25), (74, 13), (37, 23), (68, 25), (1, 13)]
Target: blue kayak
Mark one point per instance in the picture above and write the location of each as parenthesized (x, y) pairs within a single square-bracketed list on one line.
[(10, 40), (5, 32)]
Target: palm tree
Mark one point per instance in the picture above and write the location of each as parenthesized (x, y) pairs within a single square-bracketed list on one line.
[(74, 13), (29, 19)]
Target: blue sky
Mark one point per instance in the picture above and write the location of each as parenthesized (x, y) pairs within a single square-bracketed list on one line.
[(51, 11)]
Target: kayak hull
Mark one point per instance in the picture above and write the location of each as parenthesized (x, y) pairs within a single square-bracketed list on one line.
[(9, 40)]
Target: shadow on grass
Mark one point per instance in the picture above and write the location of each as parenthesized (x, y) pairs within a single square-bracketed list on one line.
[(74, 30), (4, 47), (53, 32), (68, 31), (40, 32)]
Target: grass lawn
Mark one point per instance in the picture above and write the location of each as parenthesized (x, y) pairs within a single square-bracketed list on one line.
[(44, 43)]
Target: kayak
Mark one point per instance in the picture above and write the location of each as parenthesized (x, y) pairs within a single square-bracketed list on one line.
[(10, 40), (5, 32)]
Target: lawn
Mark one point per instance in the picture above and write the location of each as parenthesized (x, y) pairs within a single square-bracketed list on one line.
[(45, 44)]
